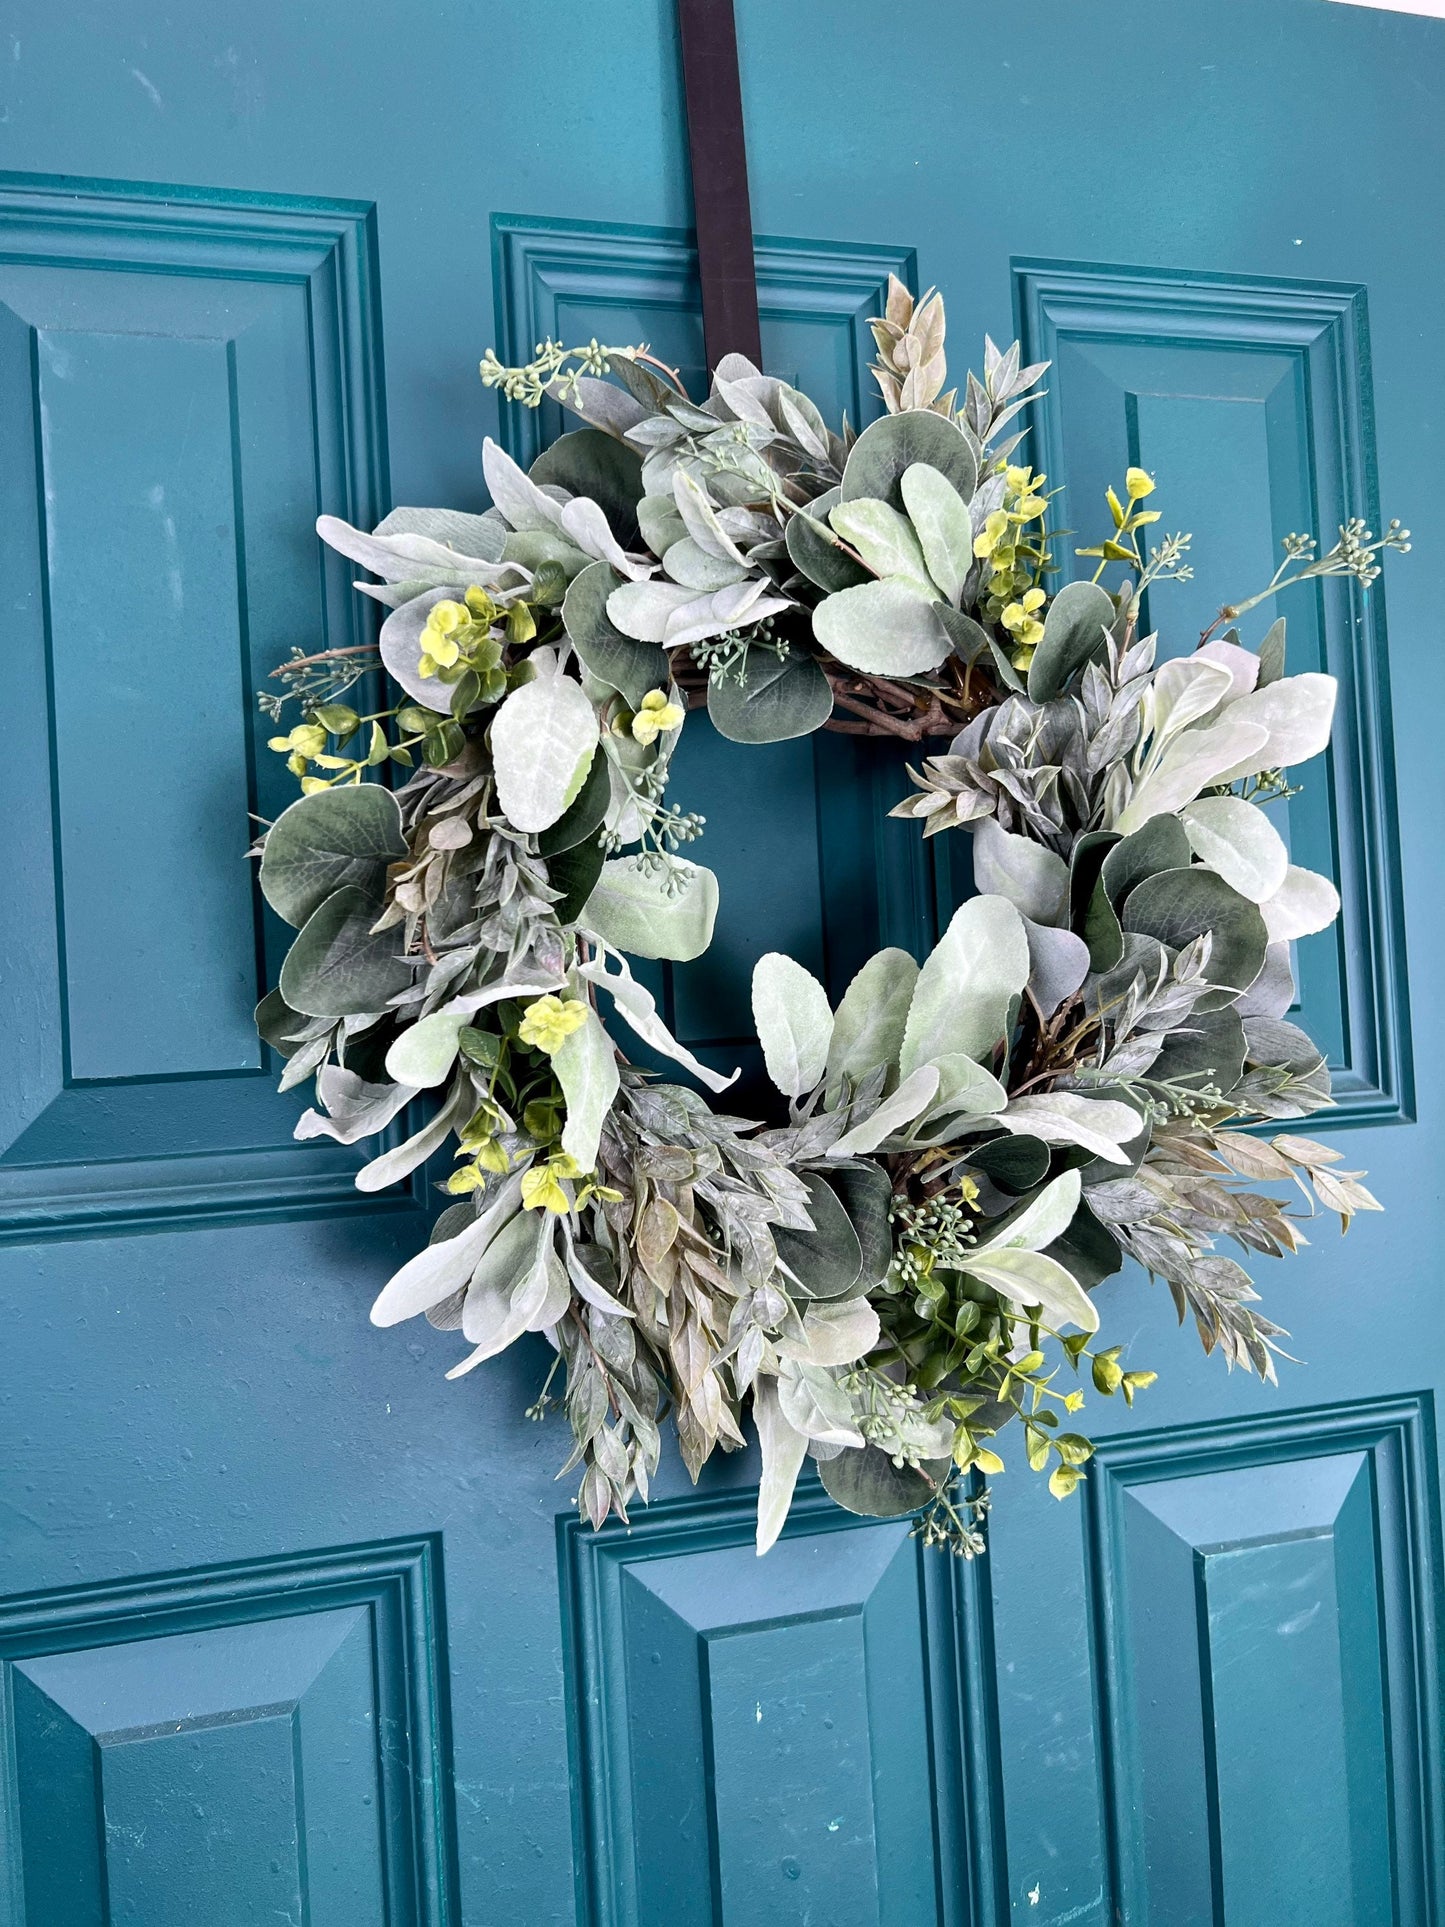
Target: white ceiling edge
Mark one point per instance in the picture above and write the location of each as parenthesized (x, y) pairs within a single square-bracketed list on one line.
[(1434, 9)]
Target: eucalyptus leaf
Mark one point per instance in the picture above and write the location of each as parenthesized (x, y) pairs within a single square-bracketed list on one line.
[(868, 1483), (1076, 629), (827, 1261), (575, 872), (590, 462), (884, 452), (1176, 906), (783, 697), (584, 815), (882, 628), (623, 663), (814, 552), (1162, 844), (338, 966)]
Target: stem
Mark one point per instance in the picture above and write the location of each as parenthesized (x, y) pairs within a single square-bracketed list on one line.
[(327, 655)]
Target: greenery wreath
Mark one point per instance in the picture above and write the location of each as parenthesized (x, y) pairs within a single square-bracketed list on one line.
[(911, 1260)]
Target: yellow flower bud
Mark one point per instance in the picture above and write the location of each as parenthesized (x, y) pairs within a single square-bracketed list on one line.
[(468, 1178), (993, 532), (548, 1022), (541, 1190), (446, 616), (656, 715), (1138, 483), (311, 784), (481, 606)]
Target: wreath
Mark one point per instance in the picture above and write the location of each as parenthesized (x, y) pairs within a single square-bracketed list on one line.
[(911, 1261)]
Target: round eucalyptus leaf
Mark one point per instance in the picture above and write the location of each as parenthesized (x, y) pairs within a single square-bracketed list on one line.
[(1075, 631), (866, 1193), (1208, 1048), (826, 1262), (574, 872), (278, 1023), (1015, 1164), (1085, 864), (401, 650), (590, 462), (869, 1483), (888, 628), (783, 697), (328, 840), (882, 453), (1176, 906), (818, 557), (339, 967), (1086, 1249), (583, 816), (1160, 845), (628, 666)]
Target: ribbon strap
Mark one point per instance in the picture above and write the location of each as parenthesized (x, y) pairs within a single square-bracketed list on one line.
[(713, 94)]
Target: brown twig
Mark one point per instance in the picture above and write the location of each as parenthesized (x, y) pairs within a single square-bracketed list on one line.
[(326, 655)]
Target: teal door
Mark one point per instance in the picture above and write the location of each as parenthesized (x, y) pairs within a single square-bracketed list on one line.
[(290, 1628)]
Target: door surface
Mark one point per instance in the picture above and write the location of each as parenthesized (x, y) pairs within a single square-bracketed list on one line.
[(290, 1628)]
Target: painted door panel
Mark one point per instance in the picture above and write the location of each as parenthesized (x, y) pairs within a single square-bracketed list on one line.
[(291, 1629)]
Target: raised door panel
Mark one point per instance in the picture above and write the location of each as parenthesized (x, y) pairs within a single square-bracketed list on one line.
[(232, 1745), (799, 1739), (1250, 402), (189, 383), (1265, 1596)]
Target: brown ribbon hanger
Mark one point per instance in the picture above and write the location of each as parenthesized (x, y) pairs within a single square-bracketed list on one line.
[(712, 92)]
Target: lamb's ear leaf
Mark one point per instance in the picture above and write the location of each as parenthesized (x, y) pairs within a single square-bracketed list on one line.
[(630, 909), (590, 462), (870, 1484), (783, 697), (870, 1022), (793, 1021), (1075, 631)]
